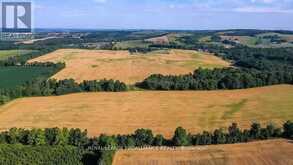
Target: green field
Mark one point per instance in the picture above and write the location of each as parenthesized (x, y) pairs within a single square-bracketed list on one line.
[(131, 44), (4, 54), (15, 75), (260, 41)]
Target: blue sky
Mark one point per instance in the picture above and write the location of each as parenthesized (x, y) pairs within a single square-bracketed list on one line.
[(164, 14)]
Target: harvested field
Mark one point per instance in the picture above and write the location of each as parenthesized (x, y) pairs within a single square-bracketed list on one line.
[(120, 65), (272, 152), (159, 40), (163, 112)]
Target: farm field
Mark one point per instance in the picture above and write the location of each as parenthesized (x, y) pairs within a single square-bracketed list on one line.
[(163, 112), (272, 152), (121, 65), (245, 40), (259, 41), (159, 40), (20, 75), (131, 44), (5, 54)]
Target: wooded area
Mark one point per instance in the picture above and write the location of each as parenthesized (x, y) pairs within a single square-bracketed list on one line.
[(72, 146), (253, 67)]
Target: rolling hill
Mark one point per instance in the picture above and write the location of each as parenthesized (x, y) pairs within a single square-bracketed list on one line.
[(163, 112), (129, 68)]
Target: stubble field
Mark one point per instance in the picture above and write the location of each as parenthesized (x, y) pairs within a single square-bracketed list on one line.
[(163, 112), (272, 152), (120, 65)]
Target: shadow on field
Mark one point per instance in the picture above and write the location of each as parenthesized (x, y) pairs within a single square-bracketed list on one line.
[(90, 159)]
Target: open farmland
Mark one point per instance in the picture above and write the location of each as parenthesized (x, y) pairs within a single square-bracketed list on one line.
[(272, 152), (159, 40), (121, 65), (5, 54), (163, 112), (259, 41), (245, 40), (131, 44), (286, 37)]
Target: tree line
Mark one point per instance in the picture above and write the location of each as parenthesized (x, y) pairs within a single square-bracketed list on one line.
[(22, 60), (141, 50), (74, 146), (227, 78), (52, 87)]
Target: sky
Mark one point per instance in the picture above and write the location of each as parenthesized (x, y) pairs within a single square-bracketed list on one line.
[(163, 14)]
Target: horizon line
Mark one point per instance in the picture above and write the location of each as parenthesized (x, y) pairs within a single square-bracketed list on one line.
[(162, 29)]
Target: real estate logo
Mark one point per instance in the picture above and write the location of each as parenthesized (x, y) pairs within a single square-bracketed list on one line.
[(16, 20), (16, 17)]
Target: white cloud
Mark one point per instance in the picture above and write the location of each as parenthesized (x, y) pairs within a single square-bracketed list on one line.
[(172, 6), (263, 1), (100, 1), (248, 6), (38, 7), (74, 13), (251, 9)]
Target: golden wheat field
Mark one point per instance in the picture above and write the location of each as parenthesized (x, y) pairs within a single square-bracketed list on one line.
[(272, 152), (163, 112), (120, 65)]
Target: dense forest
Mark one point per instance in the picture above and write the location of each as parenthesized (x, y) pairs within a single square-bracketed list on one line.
[(73, 146), (39, 155)]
